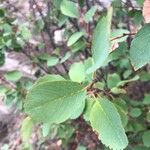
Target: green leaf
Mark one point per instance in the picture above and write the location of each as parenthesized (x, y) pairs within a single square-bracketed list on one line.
[(135, 112), (69, 9), (146, 138), (26, 129), (54, 102), (2, 13), (113, 80), (13, 75), (74, 38), (52, 61), (140, 2), (78, 111), (140, 48), (136, 16), (116, 90), (40, 24), (122, 110), (118, 33), (44, 56), (127, 73), (106, 121), (123, 82), (79, 45), (89, 15), (87, 63), (62, 20), (148, 116), (146, 100), (46, 129), (101, 41), (88, 108), (81, 147), (25, 32), (77, 72), (49, 78), (66, 57), (57, 3)]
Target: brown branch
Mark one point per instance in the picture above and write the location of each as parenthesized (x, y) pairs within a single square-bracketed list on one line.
[(125, 34)]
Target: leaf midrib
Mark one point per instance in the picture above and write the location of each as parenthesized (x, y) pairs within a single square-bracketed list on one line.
[(56, 99), (109, 119)]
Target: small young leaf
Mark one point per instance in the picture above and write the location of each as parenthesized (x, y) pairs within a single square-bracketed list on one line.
[(79, 45), (26, 129), (13, 75), (44, 56), (67, 56), (106, 121), (77, 72), (88, 16), (52, 61), (46, 129), (87, 63), (74, 38), (69, 9)]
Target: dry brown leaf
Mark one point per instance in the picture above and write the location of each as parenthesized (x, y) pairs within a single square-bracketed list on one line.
[(146, 11)]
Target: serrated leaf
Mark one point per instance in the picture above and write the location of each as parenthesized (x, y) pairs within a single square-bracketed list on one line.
[(106, 121), (101, 41), (140, 48), (54, 102), (69, 9), (74, 38), (77, 72), (26, 129)]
